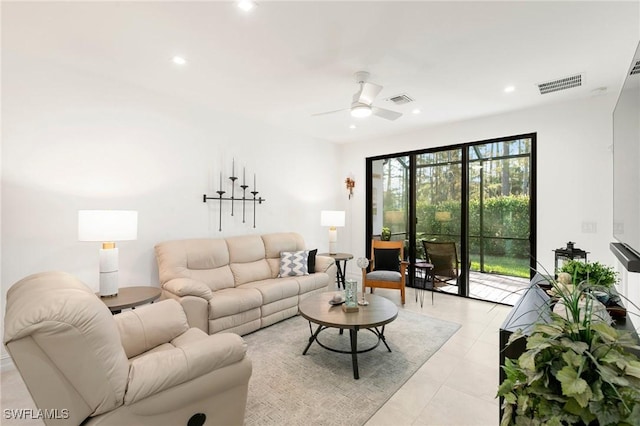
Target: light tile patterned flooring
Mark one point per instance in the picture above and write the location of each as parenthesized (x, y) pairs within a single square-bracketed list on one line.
[(456, 386)]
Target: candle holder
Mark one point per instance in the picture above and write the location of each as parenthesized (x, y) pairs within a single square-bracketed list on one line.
[(233, 198)]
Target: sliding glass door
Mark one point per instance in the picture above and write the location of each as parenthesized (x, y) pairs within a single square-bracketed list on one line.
[(390, 198), (476, 201)]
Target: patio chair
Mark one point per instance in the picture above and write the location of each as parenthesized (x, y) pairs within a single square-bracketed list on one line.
[(443, 255), (388, 270)]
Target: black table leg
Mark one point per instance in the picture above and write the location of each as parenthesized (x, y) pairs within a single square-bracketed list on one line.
[(353, 333), (312, 338), (341, 269), (381, 336)]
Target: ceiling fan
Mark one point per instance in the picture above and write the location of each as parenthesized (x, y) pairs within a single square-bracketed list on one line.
[(361, 105)]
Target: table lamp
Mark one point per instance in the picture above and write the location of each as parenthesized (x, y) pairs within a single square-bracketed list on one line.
[(108, 226), (332, 219)]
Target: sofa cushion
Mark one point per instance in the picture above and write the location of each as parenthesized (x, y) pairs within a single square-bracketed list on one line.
[(245, 249), (274, 244), (312, 282), (249, 272), (205, 260), (233, 301), (247, 257), (311, 261), (158, 371), (275, 289), (293, 263)]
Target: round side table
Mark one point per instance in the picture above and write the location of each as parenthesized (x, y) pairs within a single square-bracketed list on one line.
[(342, 268), (130, 297), (425, 270)]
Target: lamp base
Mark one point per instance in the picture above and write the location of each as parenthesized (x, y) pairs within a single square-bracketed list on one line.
[(108, 272)]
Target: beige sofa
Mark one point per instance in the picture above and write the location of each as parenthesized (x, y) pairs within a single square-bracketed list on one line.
[(232, 284), (140, 367)]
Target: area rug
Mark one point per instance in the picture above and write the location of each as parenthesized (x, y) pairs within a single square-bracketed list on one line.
[(288, 388)]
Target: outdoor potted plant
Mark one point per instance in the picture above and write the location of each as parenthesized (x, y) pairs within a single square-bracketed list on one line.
[(577, 369)]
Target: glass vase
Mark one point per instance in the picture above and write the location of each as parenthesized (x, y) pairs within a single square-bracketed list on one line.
[(351, 293)]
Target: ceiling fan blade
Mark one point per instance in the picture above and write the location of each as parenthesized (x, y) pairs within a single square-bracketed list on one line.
[(386, 113), (330, 112), (368, 93)]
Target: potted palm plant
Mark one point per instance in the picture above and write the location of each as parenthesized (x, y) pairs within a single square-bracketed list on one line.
[(577, 369)]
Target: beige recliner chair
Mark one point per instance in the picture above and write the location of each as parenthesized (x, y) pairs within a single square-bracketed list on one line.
[(140, 367)]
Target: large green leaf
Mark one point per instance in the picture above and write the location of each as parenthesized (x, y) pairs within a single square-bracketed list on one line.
[(633, 368), (527, 360), (505, 387), (610, 375), (572, 359), (605, 331), (606, 411), (573, 407), (574, 386), (576, 346)]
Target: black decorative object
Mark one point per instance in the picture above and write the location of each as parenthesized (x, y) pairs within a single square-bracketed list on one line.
[(568, 253), (233, 198)]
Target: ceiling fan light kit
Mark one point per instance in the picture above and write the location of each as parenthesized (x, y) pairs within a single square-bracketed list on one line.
[(361, 111), (362, 103)]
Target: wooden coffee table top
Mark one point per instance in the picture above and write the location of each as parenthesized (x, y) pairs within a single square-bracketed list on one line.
[(379, 311)]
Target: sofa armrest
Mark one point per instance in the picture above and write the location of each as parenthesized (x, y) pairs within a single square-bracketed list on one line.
[(188, 287), (323, 263), (196, 309), (158, 371), (151, 325)]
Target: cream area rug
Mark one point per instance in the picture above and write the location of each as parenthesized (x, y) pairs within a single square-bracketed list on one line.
[(288, 388)]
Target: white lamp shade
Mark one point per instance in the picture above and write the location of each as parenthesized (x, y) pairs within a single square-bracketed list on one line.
[(332, 218), (107, 225)]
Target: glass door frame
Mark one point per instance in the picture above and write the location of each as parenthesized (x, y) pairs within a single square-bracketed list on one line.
[(463, 281)]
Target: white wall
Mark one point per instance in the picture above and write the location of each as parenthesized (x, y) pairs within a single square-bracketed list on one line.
[(574, 171), (74, 141)]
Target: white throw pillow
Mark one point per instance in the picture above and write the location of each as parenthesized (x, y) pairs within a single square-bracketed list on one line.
[(293, 263)]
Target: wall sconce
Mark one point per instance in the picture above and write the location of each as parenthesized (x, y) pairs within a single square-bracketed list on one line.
[(350, 185)]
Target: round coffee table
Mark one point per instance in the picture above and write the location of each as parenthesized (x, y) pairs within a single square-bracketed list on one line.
[(374, 316)]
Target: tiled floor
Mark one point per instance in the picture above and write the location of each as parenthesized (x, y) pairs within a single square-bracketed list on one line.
[(456, 386)]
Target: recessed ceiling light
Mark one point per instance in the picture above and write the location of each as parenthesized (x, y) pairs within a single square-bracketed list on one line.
[(246, 5), (179, 60), (509, 89), (353, 126), (416, 111)]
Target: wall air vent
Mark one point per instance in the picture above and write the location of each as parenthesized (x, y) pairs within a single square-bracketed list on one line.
[(635, 69), (560, 84), (400, 99)]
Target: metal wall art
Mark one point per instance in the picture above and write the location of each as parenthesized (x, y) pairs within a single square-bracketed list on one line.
[(233, 178)]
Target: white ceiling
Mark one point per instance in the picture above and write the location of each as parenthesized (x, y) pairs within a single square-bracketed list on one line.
[(287, 60)]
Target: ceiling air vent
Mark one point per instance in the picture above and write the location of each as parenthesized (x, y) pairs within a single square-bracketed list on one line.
[(560, 84), (635, 69), (400, 99)]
